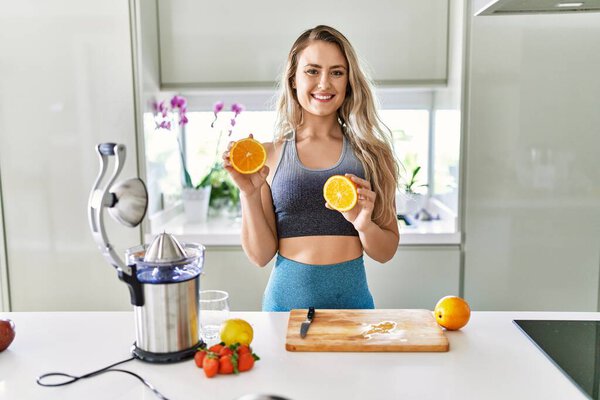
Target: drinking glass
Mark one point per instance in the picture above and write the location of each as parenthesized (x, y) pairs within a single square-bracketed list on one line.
[(214, 309)]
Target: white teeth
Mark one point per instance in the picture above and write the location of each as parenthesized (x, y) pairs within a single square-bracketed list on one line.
[(320, 97)]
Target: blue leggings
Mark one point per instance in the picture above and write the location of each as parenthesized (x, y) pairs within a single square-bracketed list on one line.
[(335, 286)]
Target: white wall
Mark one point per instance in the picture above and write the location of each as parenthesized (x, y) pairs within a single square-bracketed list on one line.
[(532, 190), (65, 85), (147, 87), (448, 101)]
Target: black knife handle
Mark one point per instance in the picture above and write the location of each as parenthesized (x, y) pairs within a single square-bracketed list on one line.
[(311, 313)]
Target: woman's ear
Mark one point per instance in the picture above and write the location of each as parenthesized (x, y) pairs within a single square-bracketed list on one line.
[(293, 83)]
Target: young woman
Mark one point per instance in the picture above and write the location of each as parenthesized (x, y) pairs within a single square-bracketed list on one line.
[(327, 125)]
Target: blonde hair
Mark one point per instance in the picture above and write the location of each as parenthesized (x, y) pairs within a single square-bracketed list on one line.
[(368, 135)]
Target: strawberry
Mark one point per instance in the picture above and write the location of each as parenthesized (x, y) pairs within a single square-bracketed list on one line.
[(210, 364), (243, 349), (246, 361), (225, 351), (199, 358), (216, 348), (227, 365)]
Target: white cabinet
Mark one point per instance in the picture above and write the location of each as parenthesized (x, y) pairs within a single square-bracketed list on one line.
[(417, 277), (532, 219), (245, 43), (227, 268), (65, 85)]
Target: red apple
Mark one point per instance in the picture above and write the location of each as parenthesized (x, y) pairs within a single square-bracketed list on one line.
[(7, 333)]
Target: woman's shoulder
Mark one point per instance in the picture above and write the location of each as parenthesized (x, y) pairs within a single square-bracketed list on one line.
[(273, 147), (273, 150), (269, 146)]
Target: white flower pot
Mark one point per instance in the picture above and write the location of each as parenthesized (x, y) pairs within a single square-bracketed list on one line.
[(195, 203), (409, 203)]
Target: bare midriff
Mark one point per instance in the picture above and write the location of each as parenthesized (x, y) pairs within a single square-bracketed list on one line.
[(321, 250)]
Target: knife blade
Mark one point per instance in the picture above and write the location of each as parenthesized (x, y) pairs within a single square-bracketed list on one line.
[(306, 324)]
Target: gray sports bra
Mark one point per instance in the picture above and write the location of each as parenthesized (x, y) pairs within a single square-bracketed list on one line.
[(297, 193)]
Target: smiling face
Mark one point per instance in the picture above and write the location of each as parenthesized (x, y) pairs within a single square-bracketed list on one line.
[(321, 79)]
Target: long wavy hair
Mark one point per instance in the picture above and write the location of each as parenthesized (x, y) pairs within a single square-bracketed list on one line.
[(370, 138)]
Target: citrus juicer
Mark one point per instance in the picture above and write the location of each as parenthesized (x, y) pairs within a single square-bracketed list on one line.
[(163, 277)]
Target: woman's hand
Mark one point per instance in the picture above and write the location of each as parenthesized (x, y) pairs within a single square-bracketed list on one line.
[(361, 215), (248, 184)]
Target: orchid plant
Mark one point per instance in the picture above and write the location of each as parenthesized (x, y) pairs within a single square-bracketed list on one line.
[(217, 177), (163, 113), (167, 114)]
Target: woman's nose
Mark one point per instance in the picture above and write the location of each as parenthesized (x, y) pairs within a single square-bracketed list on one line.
[(324, 81)]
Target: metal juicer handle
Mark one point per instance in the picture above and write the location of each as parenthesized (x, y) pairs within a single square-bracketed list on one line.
[(101, 198)]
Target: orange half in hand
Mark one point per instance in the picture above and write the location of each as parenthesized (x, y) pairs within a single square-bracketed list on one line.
[(340, 193), (247, 156)]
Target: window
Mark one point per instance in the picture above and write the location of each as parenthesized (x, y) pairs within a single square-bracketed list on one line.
[(421, 137), (410, 134), (447, 155), (203, 147)]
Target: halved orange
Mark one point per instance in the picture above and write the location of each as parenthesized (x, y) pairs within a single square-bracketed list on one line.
[(340, 193), (247, 156)]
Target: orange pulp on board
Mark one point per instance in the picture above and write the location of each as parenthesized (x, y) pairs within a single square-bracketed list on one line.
[(452, 312), (340, 193), (247, 156)]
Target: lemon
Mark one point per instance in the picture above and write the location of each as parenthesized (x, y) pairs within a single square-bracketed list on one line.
[(236, 330)]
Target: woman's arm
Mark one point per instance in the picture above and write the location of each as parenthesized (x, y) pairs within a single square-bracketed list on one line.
[(379, 242), (259, 232)]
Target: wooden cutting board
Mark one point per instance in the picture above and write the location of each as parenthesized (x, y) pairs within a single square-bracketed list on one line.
[(366, 330)]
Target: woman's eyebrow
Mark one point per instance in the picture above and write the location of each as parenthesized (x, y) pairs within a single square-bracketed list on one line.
[(319, 66)]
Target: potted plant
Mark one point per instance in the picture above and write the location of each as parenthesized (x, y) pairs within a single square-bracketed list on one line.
[(224, 194), (408, 200), (215, 189)]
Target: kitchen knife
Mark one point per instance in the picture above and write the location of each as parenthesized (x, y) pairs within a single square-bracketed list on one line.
[(306, 324)]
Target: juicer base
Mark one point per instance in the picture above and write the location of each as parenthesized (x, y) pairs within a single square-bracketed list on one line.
[(164, 358)]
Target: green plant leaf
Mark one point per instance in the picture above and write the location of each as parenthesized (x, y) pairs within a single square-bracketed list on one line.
[(410, 184)]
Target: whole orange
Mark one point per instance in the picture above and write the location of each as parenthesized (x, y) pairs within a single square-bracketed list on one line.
[(452, 312)]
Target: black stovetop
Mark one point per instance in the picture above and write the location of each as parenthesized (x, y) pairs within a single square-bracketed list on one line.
[(574, 346)]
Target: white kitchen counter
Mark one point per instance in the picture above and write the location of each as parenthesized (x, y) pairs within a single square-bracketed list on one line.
[(489, 359), (226, 232)]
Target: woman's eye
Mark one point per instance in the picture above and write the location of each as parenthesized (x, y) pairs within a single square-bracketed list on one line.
[(337, 73), (312, 71)]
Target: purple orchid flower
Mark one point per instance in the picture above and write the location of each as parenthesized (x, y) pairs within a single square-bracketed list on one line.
[(178, 102), (217, 108), (164, 125), (237, 108), (161, 108)]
